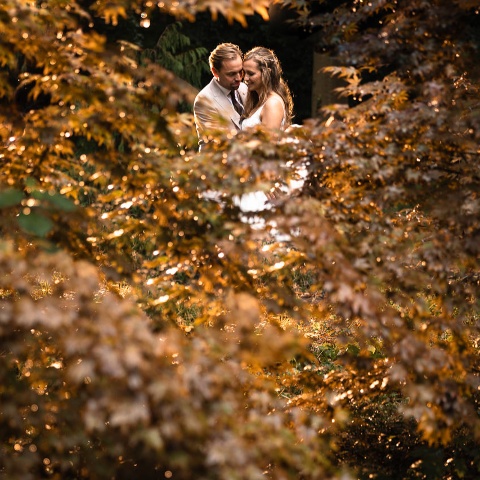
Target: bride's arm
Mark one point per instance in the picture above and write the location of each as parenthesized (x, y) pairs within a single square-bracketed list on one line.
[(273, 112)]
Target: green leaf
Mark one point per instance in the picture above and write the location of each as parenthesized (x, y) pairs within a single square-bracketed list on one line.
[(30, 182), (10, 197), (35, 224), (59, 201), (62, 202), (353, 349)]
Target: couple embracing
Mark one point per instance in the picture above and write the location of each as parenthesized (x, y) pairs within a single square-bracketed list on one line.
[(245, 91)]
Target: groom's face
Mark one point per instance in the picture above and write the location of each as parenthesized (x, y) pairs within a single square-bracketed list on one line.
[(231, 73)]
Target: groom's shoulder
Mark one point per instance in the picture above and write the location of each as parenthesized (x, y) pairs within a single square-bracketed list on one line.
[(208, 89)]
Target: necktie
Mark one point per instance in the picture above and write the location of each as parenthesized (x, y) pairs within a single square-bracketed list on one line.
[(236, 104)]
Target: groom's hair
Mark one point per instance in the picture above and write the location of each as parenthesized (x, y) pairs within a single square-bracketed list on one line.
[(222, 52)]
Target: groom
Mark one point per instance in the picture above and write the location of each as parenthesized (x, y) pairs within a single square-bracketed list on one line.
[(219, 105)]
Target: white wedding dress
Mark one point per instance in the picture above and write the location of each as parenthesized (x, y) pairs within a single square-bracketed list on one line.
[(254, 201), (254, 120)]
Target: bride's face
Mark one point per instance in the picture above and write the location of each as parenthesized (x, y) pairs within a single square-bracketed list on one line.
[(252, 75)]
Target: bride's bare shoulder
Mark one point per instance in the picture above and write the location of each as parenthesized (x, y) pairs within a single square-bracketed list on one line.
[(274, 98)]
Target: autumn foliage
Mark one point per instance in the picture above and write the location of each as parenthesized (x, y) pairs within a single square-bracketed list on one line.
[(151, 329)]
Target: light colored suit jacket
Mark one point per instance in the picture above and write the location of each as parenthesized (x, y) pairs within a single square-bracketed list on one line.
[(213, 110)]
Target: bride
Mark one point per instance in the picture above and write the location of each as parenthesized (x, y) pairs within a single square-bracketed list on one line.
[(269, 104)]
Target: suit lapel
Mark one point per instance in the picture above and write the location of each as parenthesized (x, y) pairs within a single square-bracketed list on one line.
[(225, 106)]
